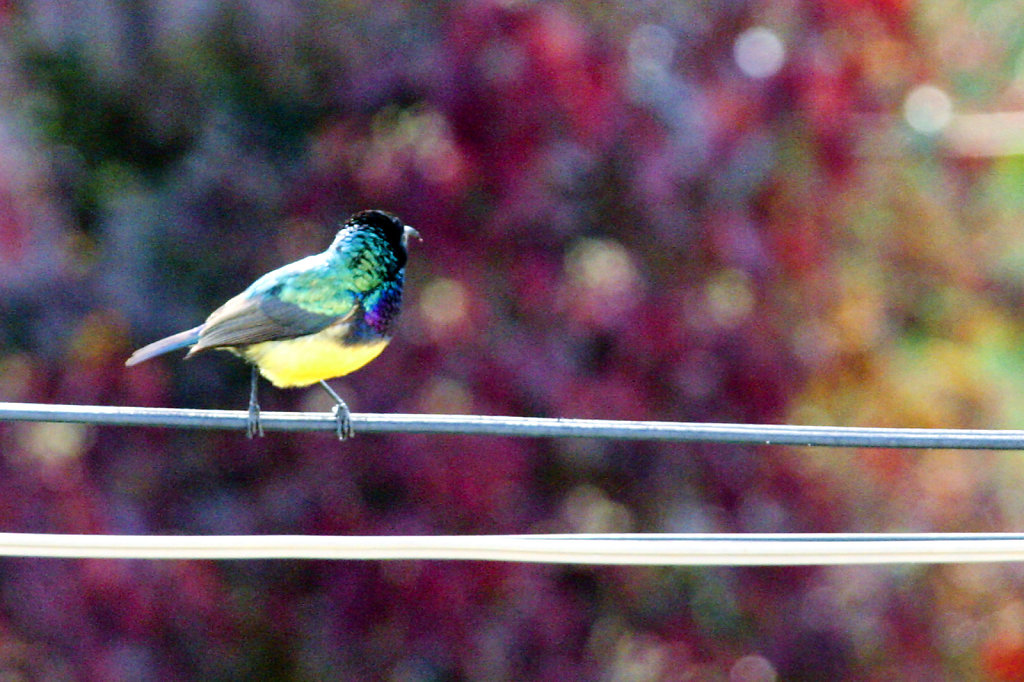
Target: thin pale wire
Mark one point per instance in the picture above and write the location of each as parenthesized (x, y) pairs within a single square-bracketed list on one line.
[(621, 549), (529, 427)]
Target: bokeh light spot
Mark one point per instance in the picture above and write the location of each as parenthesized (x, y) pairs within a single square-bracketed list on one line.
[(417, 138), (445, 396), (759, 52), (753, 669), (651, 48), (52, 443), (15, 375), (638, 657), (443, 306), (729, 297), (588, 510), (928, 109), (99, 336), (601, 265)]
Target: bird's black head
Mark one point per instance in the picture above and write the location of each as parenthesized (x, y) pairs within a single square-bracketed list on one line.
[(386, 224)]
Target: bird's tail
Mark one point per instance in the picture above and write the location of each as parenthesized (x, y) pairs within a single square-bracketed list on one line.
[(165, 345)]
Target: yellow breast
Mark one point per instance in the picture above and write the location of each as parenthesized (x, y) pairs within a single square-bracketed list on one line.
[(309, 359)]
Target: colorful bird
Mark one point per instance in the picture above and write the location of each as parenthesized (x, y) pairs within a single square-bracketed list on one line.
[(318, 318)]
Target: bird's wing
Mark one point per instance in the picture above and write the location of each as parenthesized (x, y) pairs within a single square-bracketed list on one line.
[(254, 318)]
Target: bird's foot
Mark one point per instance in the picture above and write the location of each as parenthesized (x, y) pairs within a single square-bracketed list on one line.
[(253, 427), (344, 419), (341, 414)]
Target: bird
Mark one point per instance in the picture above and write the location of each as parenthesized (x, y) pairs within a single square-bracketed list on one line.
[(321, 317)]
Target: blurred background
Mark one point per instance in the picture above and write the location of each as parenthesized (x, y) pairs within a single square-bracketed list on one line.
[(755, 211)]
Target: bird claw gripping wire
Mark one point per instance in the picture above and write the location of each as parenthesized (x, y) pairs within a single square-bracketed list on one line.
[(341, 413), (253, 427), (344, 418)]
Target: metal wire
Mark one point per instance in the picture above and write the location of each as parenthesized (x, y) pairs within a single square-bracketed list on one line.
[(621, 549), (625, 549), (530, 427)]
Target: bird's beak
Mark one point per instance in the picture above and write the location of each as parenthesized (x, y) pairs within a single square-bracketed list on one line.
[(410, 232)]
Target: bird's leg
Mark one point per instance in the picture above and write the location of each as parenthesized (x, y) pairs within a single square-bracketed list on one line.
[(341, 413), (253, 426)]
